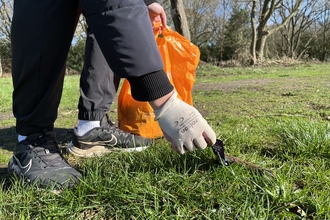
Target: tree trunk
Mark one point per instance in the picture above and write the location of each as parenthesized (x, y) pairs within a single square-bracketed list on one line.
[(179, 18), (260, 45), (254, 34), (0, 68)]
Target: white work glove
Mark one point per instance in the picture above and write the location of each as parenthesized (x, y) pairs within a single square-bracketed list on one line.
[(184, 126)]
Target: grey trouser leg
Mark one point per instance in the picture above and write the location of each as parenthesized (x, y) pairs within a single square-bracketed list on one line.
[(41, 35), (97, 83), (118, 18)]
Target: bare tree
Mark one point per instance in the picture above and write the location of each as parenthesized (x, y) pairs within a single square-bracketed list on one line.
[(81, 29), (267, 9), (6, 12), (208, 22), (293, 31), (324, 26), (204, 20)]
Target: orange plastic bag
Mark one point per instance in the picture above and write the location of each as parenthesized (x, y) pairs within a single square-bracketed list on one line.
[(180, 58)]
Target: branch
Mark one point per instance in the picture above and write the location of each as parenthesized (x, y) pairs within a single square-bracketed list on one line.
[(295, 11)]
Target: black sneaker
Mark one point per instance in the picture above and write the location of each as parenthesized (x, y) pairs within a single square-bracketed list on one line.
[(38, 159), (105, 139)]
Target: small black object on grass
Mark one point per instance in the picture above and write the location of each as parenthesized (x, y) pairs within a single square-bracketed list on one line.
[(225, 160), (219, 151)]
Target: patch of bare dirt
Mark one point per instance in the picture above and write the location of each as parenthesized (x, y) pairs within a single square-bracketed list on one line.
[(251, 84)]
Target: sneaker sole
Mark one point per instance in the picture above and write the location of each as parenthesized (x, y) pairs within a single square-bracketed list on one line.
[(97, 151)]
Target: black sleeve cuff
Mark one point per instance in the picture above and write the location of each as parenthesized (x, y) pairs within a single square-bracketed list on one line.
[(148, 2), (151, 86)]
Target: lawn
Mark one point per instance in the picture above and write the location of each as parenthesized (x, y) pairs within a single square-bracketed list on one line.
[(274, 117)]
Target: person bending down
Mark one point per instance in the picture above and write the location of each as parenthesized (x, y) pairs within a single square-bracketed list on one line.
[(41, 35)]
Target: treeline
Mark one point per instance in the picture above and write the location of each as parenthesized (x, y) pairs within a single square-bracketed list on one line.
[(238, 32)]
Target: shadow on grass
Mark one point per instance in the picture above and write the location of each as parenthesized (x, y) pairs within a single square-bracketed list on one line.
[(8, 139)]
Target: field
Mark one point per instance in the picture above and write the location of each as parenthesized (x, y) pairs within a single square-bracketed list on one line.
[(275, 117)]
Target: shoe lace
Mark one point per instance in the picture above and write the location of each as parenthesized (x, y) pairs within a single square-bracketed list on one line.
[(114, 129), (47, 151)]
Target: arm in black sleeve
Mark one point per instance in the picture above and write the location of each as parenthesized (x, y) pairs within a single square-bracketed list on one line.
[(151, 86), (148, 2)]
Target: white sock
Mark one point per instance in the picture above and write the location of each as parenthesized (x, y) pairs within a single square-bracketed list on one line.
[(21, 138), (85, 126)]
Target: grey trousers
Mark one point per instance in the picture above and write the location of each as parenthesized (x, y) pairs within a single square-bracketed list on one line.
[(98, 83), (41, 35)]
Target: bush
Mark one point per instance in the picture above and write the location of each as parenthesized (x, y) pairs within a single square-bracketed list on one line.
[(76, 56), (5, 56)]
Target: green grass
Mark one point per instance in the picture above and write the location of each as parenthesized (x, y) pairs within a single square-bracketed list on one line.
[(5, 95), (275, 117)]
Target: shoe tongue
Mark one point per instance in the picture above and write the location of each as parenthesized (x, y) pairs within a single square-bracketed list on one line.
[(47, 148), (105, 121), (33, 137), (46, 142)]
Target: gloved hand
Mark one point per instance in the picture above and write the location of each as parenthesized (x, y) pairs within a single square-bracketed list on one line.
[(184, 126)]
